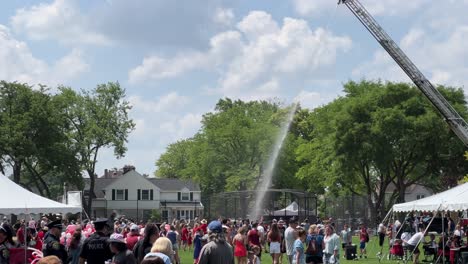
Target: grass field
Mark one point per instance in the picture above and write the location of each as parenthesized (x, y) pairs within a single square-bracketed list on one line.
[(372, 250)]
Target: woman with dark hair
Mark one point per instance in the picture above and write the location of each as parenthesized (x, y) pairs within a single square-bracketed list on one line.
[(274, 238), (144, 245), (6, 242), (118, 247)]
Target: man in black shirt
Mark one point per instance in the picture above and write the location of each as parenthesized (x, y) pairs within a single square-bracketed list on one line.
[(95, 249)]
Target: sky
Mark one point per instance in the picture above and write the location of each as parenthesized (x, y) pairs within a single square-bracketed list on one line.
[(176, 59)]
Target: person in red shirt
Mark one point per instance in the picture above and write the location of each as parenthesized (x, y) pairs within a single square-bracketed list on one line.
[(184, 236), (254, 238), (133, 236), (363, 239), (204, 226)]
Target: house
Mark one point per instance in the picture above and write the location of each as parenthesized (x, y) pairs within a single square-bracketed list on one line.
[(412, 192), (127, 192)]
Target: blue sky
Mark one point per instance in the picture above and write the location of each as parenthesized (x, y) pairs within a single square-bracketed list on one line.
[(177, 58)]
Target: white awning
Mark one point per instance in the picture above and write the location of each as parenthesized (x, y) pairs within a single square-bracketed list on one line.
[(455, 199), (14, 199)]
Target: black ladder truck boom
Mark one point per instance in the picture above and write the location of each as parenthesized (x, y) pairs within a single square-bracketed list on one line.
[(451, 116)]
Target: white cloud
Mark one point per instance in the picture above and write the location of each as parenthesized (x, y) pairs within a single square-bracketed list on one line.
[(224, 16), (19, 64), (259, 56), (312, 7), (387, 8), (60, 20), (155, 67), (443, 60), (164, 103)]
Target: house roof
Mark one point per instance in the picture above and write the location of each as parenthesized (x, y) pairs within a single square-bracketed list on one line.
[(391, 188), (174, 184), (163, 184)]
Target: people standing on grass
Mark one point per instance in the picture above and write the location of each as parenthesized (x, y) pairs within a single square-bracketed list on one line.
[(274, 238), (331, 251), (197, 245), (240, 243), (289, 238), (363, 239), (144, 245), (413, 243), (299, 256), (314, 242), (254, 238), (218, 249), (346, 236)]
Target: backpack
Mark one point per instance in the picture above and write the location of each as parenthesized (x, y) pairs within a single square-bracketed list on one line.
[(313, 248)]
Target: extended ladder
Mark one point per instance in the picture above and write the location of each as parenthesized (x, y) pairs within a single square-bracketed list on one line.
[(451, 116)]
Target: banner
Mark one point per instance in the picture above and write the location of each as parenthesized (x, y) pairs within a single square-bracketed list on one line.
[(74, 198)]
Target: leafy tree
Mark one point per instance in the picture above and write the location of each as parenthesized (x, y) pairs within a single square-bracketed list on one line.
[(230, 150), (378, 134), (97, 119)]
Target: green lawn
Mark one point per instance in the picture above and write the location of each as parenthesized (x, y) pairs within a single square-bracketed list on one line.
[(372, 249)]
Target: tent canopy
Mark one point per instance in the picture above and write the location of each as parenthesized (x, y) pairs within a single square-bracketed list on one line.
[(455, 199), (14, 199)]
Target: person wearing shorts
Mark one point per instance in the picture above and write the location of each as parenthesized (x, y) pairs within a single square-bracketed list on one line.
[(274, 238), (363, 237), (414, 242)]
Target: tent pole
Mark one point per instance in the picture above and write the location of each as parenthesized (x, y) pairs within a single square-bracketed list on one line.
[(443, 237), (388, 214), (427, 227)]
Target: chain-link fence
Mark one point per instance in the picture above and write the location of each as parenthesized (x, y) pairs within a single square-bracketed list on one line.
[(352, 210), (277, 203)]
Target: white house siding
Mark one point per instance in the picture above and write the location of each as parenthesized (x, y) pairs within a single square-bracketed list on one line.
[(131, 206), (417, 191)]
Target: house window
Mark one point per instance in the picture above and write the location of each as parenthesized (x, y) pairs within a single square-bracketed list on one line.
[(165, 214), (185, 196), (145, 195), (120, 194), (420, 196)]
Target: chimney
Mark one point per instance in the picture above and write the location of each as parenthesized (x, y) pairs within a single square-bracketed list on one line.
[(128, 168), (106, 173)]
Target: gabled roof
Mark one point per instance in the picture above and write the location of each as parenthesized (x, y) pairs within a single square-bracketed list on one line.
[(174, 184), (164, 184)]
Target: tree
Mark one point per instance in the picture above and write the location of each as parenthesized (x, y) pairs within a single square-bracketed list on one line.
[(229, 152), (97, 119), (377, 134)]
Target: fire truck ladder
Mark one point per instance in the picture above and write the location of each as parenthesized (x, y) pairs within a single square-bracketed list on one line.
[(451, 116)]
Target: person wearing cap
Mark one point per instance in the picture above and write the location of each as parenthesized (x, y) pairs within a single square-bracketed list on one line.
[(289, 238), (217, 250), (95, 249), (204, 226), (133, 236), (52, 246), (6, 242), (122, 255)]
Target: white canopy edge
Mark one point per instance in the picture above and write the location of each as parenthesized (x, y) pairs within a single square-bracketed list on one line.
[(455, 199), (14, 199)]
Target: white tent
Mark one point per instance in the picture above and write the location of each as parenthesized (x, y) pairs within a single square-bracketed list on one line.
[(14, 199), (290, 210), (455, 199)]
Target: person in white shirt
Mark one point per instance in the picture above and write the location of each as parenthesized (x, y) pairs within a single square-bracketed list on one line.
[(289, 238), (261, 234), (414, 242), (331, 252)]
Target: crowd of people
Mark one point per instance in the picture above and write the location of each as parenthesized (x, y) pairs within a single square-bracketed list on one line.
[(220, 241), (406, 239)]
